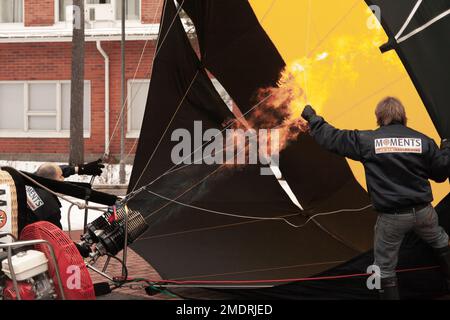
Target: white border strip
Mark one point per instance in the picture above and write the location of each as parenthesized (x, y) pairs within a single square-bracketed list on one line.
[(408, 21), (425, 26)]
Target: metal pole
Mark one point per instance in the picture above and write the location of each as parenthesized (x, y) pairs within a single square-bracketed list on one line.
[(99, 272), (122, 121), (6, 234), (13, 274), (125, 247), (106, 264), (86, 210)]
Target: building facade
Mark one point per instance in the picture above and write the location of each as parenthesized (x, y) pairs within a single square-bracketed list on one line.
[(35, 73)]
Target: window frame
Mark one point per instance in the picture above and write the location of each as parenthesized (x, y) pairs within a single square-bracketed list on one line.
[(130, 133), (26, 132), (137, 22)]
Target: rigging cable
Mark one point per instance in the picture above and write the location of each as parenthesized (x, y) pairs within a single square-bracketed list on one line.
[(121, 114), (399, 37), (158, 49), (260, 218), (80, 205), (133, 191), (163, 283), (167, 128), (131, 194), (193, 186), (321, 41), (308, 33), (268, 11), (279, 218), (119, 282), (134, 77)]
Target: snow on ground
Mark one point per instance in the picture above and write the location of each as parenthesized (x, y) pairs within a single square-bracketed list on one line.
[(77, 215)]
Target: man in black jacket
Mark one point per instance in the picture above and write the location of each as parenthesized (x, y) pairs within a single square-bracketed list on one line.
[(44, 205), (398, 163)]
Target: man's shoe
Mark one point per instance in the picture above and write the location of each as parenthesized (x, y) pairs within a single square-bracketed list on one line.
[(389, 289), (444, 262)]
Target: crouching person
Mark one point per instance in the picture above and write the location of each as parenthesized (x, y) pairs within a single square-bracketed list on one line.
[(44, 204)]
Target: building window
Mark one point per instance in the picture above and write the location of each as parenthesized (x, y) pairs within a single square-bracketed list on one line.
[(133, 8), (11, 11), (137, 101), (39, 108), (65, 106), (62, 8)]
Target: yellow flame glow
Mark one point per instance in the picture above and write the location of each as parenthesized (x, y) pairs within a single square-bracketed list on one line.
[(311, 80), (349, 32)]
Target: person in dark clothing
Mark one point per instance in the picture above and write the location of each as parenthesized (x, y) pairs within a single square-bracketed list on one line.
[(44, 205), (398, 163)]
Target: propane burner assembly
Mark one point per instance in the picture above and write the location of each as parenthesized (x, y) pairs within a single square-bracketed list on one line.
[(37, 268), (107, 235)]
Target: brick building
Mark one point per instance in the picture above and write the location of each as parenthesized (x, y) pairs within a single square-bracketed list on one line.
[(35, 72)]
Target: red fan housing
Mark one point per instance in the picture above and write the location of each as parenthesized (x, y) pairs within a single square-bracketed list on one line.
[(76, 281)]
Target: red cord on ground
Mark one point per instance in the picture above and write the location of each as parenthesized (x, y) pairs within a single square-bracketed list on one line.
[(186, 282)]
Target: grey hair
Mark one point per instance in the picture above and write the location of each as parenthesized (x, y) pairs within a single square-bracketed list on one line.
[(47, 170)]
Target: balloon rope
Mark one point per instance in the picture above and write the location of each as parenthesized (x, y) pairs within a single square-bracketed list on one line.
[(231, 282), (130, 195), (260, 218), (158, 48), (307, 39), (167, 128)]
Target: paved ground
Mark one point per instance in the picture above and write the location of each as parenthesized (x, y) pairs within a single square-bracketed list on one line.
[(139, 268)]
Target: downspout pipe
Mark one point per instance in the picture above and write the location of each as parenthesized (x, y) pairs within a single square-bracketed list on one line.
[(106, 58)]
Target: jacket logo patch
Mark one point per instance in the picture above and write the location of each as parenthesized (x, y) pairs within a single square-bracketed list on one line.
[(398, 145), (34, 202)]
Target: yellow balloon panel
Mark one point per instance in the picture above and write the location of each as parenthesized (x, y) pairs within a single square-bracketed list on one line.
[(331, 48)]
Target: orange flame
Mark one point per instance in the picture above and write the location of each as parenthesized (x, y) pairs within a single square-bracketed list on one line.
[(311, 80)]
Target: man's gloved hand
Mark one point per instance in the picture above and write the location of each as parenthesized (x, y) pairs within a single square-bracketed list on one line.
[(445, 144), (308, 113), (94, 168)]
